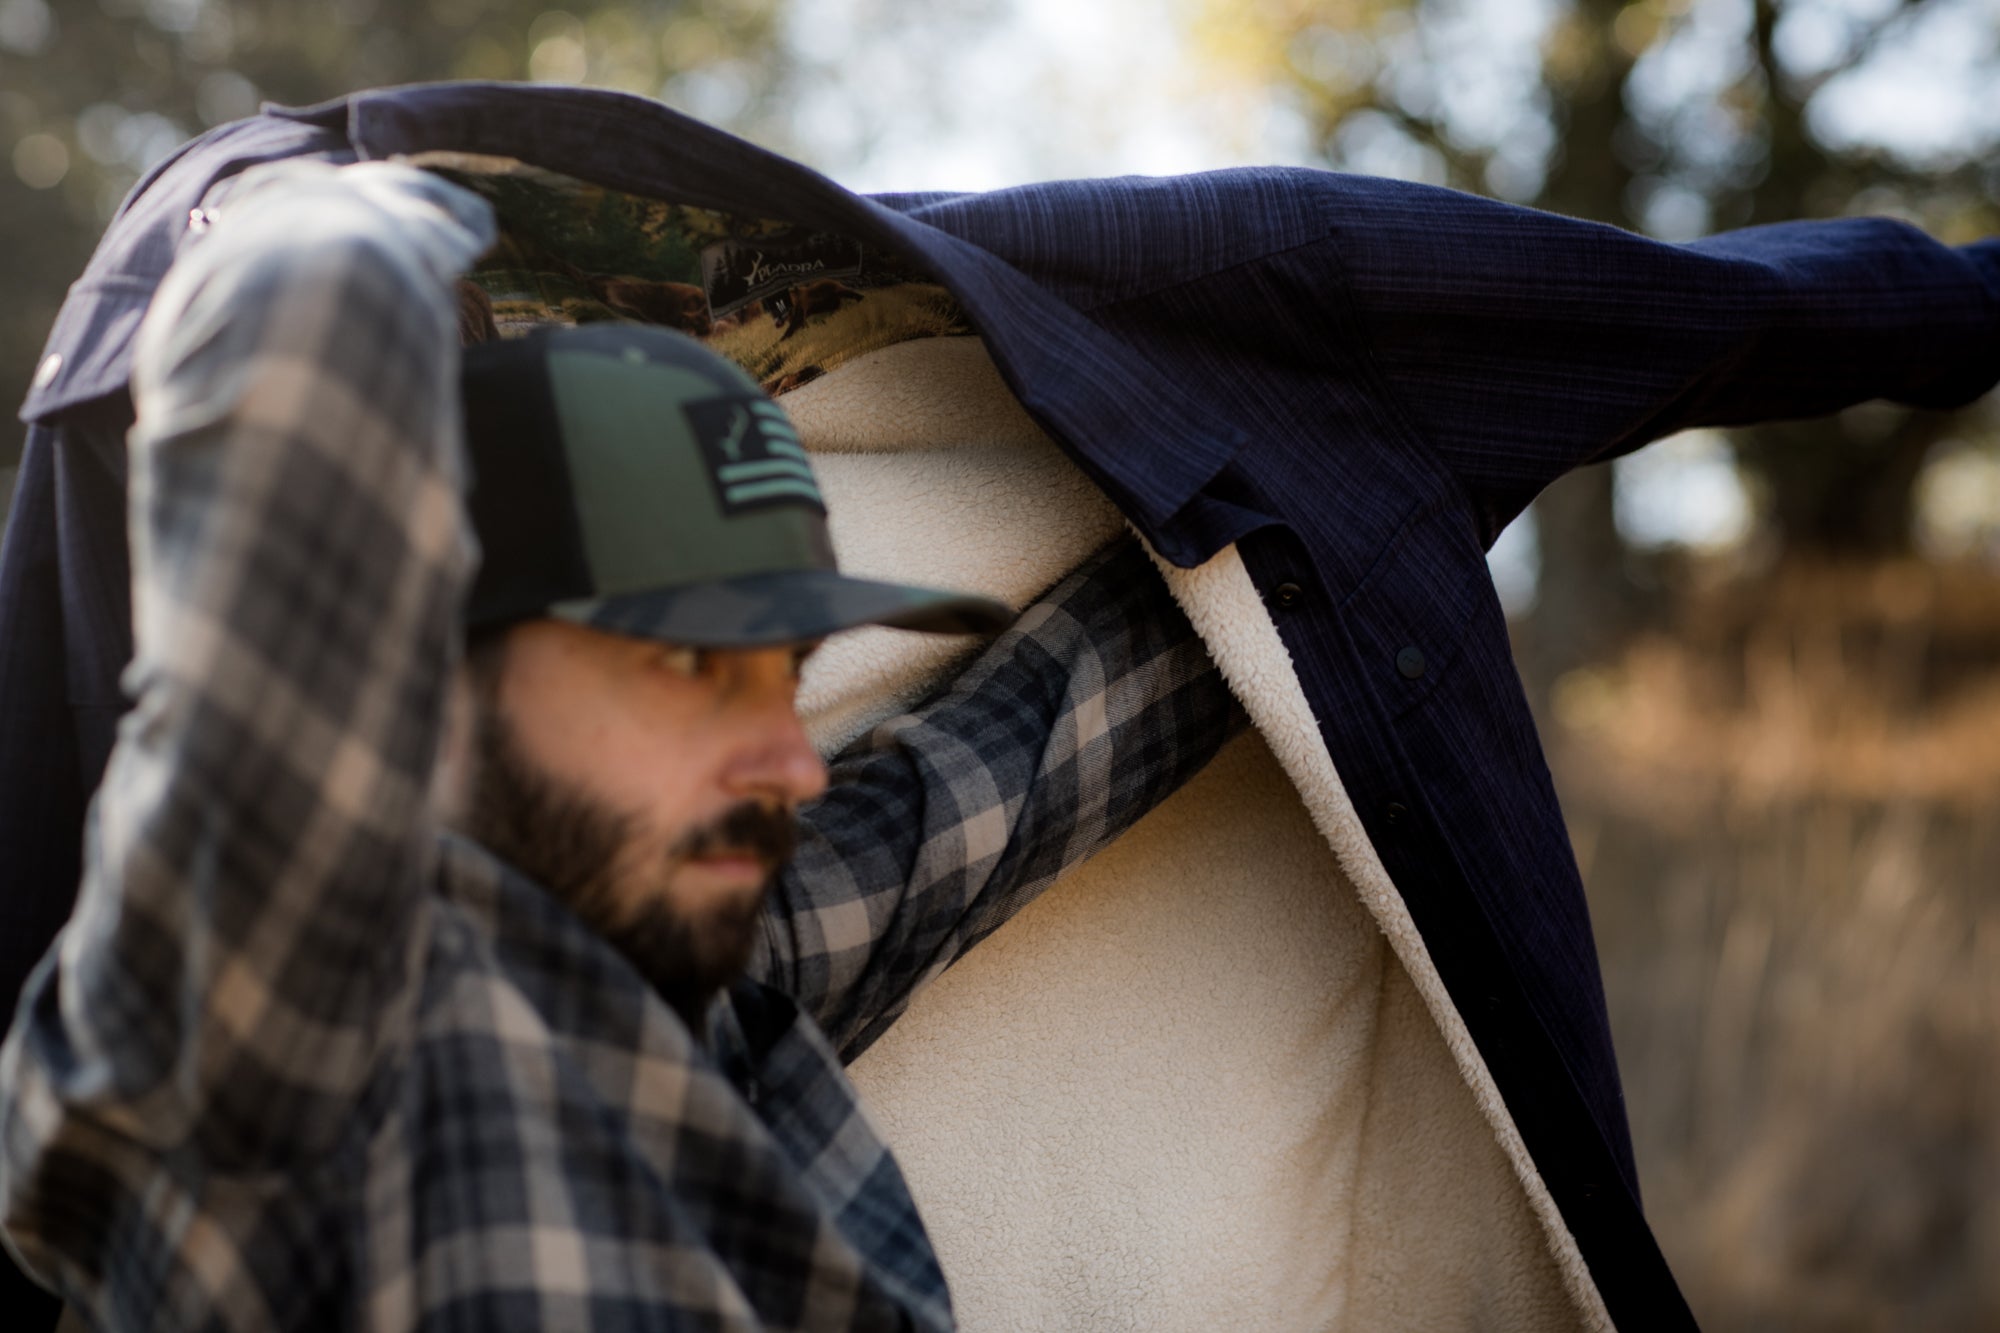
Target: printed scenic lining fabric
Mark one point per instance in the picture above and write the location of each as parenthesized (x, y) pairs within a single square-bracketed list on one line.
[(785, 302)]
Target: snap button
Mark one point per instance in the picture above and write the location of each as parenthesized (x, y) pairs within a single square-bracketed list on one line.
[(198, 220), (45, 374), (1287, 595), (1411, 663), (1394, 812)]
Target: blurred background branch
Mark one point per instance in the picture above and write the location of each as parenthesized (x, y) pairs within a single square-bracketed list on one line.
[(1767, 661)]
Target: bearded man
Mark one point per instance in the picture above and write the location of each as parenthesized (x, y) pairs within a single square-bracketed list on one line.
[(403, 993)]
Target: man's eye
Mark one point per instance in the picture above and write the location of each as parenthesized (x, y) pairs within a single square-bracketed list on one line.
[(682, 660)]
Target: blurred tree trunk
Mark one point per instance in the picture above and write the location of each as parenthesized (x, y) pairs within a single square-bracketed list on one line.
[(1845, 486), (1585, 604)]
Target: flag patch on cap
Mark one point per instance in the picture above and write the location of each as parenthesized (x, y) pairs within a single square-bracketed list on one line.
[(754, 456)]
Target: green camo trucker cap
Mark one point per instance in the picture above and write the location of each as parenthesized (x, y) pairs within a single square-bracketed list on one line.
[(629, 479)]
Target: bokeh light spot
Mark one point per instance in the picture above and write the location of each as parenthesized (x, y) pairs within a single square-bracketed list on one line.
[(26, 26), (556, 52), (41, 161), (224, 96)]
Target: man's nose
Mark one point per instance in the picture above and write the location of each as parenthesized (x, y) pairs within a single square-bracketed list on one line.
[(775, 761)]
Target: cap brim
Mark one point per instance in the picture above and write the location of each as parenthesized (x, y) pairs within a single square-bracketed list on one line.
[(792, 606)]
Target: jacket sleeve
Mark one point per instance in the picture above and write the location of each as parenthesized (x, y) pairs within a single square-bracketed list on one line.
[(242, 955), (941, 824), (1522, 344)]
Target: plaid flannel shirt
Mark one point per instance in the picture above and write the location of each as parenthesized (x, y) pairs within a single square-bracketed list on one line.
[(302, 1060)]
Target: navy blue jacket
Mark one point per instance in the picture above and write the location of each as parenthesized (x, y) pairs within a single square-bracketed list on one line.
[(1359, 382)]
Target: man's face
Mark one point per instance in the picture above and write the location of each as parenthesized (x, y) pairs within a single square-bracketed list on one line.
[(652, 787)]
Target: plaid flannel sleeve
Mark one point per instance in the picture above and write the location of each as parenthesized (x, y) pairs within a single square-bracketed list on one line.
[(940, 825), (242, 954)]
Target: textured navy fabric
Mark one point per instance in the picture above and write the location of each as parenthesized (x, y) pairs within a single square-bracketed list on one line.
[(1359, 381)]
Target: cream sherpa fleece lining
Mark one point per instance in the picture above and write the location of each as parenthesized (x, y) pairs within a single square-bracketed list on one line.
[(1211, 1079)]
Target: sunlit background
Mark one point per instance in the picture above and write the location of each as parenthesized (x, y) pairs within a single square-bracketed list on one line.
[(1767, 662)]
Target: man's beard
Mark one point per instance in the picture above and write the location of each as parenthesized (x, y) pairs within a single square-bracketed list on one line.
[(572, 845)]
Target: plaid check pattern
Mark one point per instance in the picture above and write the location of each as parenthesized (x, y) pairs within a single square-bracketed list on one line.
[(300, 1059)]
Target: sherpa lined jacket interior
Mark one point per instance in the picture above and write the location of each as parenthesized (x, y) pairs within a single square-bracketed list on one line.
[(1210, 1079)]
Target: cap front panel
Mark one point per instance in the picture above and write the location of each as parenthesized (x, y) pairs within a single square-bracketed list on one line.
[(648, 445), (753, 455)]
